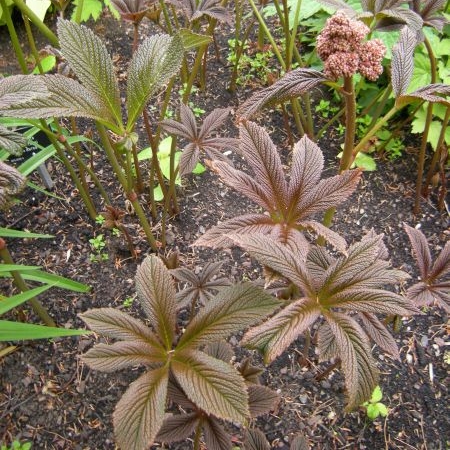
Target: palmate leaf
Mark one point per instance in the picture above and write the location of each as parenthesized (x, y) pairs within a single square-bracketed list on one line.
[(118, 325), (139, 414), (156, 60), (402, 64), (177, 427), (156, 292), (89, 59), (117, 356), (277, 333), (291, 85), (232, 309), (19, 89), (379, 334), (213, 385), (67, 98), (361, 374), (11, 141)]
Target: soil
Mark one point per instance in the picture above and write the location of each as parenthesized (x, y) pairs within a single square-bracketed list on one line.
[(48, 397)]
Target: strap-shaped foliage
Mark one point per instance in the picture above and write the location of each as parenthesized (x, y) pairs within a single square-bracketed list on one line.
[(190, 368), (288, 204), (156, 60), (89, 59), (326, 287), (434, 286)]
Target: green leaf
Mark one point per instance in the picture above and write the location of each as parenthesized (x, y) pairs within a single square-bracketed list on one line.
[(47, 64), (383, 410), (213, 385), (91, 8), (422, 72), (9, 303), (389, 40), (89, 59), (9, 233), (18, 267), (156, 60), (55, 280), (156, 292), (199, 169), (139, 414), (372, 411), (234, 308), (17, 331), (377, 395), (39, 7), (365, 162), (193, 40)]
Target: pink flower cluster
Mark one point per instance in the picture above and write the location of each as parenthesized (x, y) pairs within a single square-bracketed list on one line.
[(342, 48)]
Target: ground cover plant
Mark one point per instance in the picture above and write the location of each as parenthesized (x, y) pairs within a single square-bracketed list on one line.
[(289, 269)]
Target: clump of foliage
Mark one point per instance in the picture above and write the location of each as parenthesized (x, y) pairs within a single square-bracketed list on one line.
[(434, 285), (189, 367), (289, 204), (343, 294)]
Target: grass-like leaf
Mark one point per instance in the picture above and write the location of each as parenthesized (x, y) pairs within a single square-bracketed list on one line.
[(233, 308), (140, 412), (17, 331), (156, 292), (89, 59), (156, 60)]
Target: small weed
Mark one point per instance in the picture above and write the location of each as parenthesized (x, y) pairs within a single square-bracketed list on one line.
[(374, 407), (325, 109), (98, 244), (16, 445)]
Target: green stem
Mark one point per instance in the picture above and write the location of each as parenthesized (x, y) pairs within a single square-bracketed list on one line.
[(79, 11), (13, 35), (37, 22), (22, 286), (131, 195), (290, 50), (429, 117)]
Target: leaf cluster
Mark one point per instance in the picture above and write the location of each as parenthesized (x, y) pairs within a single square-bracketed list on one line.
[(288, 204), (190, 368)]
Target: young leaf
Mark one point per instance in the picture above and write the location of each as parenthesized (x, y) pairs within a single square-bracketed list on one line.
[(177, 427), (361, 375), (117, 356), (118, 325), (274, 336), (402, 64), (89, 59), (156, 60), (19, 89), (232, 309), (291, 85), (156, 292), (216, 438), (139, 414), (199, 375), (255, 439)]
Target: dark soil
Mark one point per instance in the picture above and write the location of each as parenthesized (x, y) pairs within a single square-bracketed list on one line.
[(48, 397)]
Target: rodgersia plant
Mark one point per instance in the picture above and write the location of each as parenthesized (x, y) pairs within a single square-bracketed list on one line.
[(185, 366), (342, 294)]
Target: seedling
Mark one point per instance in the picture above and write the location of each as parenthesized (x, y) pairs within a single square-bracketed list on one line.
[(98, 244), (16, 445), (374, 407), (128, 302)]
